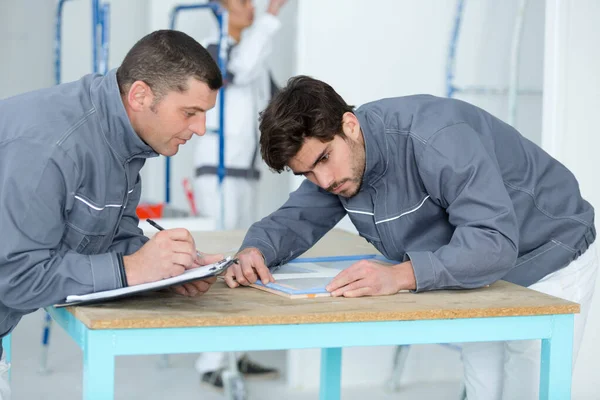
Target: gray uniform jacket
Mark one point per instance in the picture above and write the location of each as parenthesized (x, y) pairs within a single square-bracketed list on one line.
[(69, 187), (448, 186)]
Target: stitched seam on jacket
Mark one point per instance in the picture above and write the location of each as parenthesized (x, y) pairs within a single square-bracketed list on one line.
[(537, 255), (432, 269), (92, 270), (268, 244), (75, 126), (419, 138), (441, 129), (547, 214), (567, 247), (375, 179), (408, 133)]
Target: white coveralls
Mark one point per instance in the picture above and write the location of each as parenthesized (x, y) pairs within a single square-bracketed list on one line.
[(248, 89)]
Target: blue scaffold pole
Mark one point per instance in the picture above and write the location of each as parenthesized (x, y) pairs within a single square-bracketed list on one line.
[(222, 19), (100, 36), (45, 341), (451, 60), (58, 41), (104, 22), (95, 33), (100, 33)]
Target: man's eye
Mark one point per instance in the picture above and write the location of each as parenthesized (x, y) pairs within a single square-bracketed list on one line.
[(190, 114), (325, 158)]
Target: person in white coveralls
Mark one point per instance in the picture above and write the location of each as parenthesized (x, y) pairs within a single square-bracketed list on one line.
[(249, 87)]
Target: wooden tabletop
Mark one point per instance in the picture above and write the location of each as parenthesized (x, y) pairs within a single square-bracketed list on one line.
[(335, 243), (222, 306)]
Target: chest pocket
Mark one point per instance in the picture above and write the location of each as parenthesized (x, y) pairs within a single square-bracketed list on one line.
[(90, 228)]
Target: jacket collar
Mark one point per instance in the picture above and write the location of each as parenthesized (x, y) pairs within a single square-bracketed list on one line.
[(116, 127), (376, 147)]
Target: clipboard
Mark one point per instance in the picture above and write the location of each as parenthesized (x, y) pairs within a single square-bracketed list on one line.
[(114, 294)]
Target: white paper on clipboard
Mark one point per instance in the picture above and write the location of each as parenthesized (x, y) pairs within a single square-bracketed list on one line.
[(188, 276)]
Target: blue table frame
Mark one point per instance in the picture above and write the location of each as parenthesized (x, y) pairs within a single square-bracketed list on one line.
[(101, 346)]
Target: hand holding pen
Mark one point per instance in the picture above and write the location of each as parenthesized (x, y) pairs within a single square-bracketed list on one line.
[(201, 256), (160, 228), (167, 254)]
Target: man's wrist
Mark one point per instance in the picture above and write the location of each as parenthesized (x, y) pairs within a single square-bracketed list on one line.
[(257, 250), (252, 249), (128, 269), (405, 276)]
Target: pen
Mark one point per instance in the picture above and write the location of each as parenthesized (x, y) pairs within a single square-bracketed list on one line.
[(154, 224), (160, 228)]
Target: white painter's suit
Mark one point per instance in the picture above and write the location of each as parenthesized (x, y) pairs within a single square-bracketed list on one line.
[(5, 393), (249, 87)]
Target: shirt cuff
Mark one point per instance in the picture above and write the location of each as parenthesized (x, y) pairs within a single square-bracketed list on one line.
[(423, 269), (105, 272)]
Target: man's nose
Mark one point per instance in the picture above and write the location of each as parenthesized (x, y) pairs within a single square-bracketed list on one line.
[(199, 125), (324, 179)]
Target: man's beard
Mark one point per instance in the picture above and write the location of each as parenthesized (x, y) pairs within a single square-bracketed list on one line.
[(358, 170)]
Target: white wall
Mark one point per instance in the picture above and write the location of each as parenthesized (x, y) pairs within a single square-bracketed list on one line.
[(571, 104), (384, 48), (27, 31), (128, 23), (387, 48), (25, 53)]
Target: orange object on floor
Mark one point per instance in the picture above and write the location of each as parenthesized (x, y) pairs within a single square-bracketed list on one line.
[(147, 210)]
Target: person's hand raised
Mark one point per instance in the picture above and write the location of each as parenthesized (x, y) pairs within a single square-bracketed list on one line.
[(275, 6)]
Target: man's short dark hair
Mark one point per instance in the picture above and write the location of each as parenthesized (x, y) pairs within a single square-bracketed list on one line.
[(165, 60), (305, 108)]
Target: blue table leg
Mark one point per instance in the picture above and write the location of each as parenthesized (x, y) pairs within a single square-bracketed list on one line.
[(98, 366), (557, 359), (331, 374)]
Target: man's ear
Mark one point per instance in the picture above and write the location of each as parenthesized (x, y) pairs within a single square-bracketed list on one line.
[(350, 125), (139, 96)]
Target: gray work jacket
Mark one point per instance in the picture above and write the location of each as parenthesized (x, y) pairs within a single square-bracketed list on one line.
[(450, 187), (69, 187)]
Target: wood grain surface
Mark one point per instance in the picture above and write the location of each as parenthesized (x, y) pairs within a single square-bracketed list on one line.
[(222, 306)]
